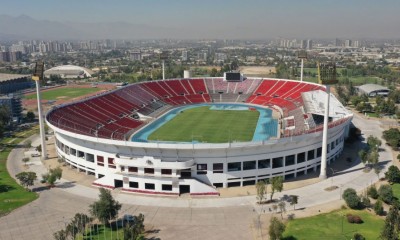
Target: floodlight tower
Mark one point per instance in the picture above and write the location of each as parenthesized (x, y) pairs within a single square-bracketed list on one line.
[(37, 77), (163, 57), (302, 55), (327, 76)]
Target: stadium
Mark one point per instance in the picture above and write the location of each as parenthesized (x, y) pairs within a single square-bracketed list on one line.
[(193, 136)]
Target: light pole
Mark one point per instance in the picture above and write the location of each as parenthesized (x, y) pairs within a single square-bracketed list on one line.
[(327, 76), (37, 77), (333, 173)]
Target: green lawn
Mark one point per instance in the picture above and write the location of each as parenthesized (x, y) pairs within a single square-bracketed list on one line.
[(329, 226), (396, 190), (205, 125), (63, 93), (98, 232), (12, 195), (357, 80)]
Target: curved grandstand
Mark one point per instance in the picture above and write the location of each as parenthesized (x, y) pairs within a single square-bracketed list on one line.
[(230, 133)]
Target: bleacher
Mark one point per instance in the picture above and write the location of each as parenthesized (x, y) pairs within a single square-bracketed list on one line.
[(111, 115)]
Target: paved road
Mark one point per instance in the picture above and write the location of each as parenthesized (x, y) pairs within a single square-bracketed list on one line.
[(175, 218)]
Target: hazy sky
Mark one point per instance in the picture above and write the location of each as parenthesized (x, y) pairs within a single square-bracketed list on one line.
[(208, 18)]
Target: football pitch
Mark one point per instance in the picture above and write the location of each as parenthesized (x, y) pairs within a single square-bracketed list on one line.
[(64, 93), (213, 126)]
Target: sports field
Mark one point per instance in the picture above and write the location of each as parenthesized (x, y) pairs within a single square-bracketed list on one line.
[(64, 93), (204, 125)]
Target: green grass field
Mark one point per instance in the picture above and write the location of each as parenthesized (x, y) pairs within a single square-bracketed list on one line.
[(356, 80), (205, 125), (329, 226), (99, 232), (396, 190), (12, 195), (63, 93)]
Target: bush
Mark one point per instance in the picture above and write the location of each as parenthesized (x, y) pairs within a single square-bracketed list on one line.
[(365, 201), (354, 219), (351, 198), (372, 192), (378, 208), (393, 175), (358, 236), (385, 193)]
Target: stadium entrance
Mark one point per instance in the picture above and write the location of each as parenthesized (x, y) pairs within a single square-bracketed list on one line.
[(184, 189), (118, 183)]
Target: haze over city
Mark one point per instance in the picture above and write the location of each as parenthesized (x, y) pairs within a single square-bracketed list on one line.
[(199, 19)]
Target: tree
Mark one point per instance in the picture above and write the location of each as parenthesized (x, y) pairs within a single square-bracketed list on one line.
[(276, 185), (274, 207), (372, 192), (393, 174), (60, 235), (276, 229), (378, 207), (390, 230), (282, 208), (373, 142), (134, 230), (294, 200), (39, 148), (79, 222), (106, 208), (52, 176), (30, 116), (363, 156), (26, 178), (385, 193), (261, 191), (351, 198)]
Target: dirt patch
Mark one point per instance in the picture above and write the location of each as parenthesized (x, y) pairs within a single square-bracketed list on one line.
[(257, 70)]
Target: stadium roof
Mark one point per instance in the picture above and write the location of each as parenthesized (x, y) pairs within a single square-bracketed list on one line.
[(369, 88), (8, 77), (69, 71), (314, 102)]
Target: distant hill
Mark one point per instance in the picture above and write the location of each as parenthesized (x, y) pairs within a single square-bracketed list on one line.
[(26, 27)]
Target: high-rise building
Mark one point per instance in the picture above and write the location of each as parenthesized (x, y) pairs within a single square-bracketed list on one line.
[(135, 56), (347, 43), (309, 44), (338, 42), (184, 55), (356, 44)]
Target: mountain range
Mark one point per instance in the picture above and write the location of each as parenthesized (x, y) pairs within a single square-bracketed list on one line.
[(25, 27)]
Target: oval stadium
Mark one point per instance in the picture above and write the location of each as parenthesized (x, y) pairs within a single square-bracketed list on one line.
[(193, 136)]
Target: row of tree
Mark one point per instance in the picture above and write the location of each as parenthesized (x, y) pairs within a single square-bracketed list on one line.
[(104, 210)]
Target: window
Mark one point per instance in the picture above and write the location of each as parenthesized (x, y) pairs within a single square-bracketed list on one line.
[(277, 162), (73, 151), (249, 165), (110, 160), (337, 141), (301, 157), (149, 170), (166, 187), (133, 184), (218, 168), (233, 184), (319, 152), (100, 160), (218, 185), (235, 166), (81, 154), (166, 171), (89, 157), (249, 182), (132, 169), (202, 167), (332, 145), (150, 186), (310, 155), (264, 164), (289, 160)]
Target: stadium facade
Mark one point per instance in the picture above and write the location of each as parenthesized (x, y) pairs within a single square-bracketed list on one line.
[(95, 135)]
